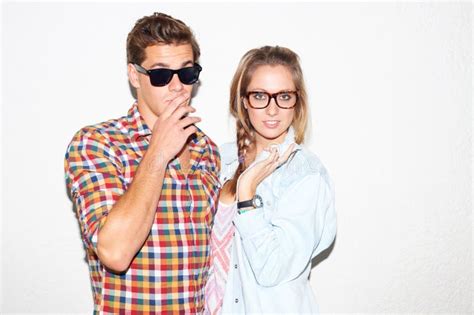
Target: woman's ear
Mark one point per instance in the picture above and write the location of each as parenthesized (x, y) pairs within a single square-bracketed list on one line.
[(133, 76), (244, 103)]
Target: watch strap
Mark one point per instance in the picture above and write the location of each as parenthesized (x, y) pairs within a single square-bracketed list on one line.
[(245, 204), (255, 202)]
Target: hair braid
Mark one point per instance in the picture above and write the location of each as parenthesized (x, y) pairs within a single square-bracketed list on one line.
[(245, 144)]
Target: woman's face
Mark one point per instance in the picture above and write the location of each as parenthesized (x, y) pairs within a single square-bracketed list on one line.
[(271, 123)]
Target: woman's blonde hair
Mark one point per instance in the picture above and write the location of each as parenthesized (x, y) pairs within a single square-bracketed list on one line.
[(273, 56)]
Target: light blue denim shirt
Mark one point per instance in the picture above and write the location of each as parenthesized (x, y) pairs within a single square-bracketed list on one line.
[(273, 245)]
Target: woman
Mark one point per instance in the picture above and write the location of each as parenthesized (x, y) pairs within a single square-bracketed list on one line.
[(276, 207)]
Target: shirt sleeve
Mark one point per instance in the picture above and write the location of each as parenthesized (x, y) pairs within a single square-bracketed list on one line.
[(303, 225), (93, 180)]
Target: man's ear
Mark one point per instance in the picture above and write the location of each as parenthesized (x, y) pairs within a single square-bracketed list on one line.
[(133, 76)]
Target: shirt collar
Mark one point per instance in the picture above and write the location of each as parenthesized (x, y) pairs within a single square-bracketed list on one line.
[(289, 139), (282, 147), (138, 127)]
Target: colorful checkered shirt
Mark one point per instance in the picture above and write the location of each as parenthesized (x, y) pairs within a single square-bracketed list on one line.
[(169, 272)]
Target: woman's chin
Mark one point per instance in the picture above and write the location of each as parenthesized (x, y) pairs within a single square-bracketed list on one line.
[(272, 135)]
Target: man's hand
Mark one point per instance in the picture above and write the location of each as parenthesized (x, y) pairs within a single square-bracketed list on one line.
[(173, 127)]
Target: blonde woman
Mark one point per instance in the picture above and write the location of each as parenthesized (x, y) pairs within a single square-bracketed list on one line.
[(276, 208)]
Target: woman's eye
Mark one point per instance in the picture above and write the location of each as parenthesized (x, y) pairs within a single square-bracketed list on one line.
[(260, 96), (284, 96)]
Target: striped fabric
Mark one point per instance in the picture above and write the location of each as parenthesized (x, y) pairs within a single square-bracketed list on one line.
[(169, 272), (221, 245)]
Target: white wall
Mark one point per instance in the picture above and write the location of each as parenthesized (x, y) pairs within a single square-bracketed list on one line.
[(390, 90)]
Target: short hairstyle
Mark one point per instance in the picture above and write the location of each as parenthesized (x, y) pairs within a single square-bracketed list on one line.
[(158, 28)]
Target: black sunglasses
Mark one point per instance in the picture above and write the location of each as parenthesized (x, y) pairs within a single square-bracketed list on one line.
[(162, 76)]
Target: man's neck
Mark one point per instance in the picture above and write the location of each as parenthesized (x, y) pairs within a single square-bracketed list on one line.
[(147, 115)]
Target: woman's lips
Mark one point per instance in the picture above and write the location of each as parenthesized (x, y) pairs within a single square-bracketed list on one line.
[(272, 124)]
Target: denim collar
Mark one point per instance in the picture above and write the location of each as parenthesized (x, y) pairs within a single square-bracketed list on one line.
[(282, 147)]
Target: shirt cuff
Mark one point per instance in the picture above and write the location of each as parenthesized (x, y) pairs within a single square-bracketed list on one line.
[(250, 223)]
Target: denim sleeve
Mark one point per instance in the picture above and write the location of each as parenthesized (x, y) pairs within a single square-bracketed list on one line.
[(303, 225)]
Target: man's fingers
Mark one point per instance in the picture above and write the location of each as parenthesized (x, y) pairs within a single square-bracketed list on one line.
[(175, 104), (190, 130), (182, 111), (185, 122)]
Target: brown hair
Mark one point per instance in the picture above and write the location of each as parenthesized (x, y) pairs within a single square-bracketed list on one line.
[(267, 55), (158, 28)]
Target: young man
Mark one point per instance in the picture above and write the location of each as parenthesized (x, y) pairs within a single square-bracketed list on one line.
[(145, 185)]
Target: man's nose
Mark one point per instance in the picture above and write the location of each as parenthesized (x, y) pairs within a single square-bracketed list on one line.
[(175, 84)]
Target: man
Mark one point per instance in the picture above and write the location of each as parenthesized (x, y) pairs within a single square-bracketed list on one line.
[(145, 185)]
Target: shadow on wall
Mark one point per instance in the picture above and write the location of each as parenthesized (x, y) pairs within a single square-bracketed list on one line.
[(323, 255)]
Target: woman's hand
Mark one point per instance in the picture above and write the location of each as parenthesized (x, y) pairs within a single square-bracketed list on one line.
[(252, 177)]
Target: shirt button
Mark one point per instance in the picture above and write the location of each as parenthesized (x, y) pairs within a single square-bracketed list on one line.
[(235, 266), (236, 300)]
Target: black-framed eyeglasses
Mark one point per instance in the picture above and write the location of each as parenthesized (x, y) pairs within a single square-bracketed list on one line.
[(261, 99), (163, 76)]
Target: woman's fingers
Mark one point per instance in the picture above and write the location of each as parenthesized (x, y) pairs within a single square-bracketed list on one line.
[(286, 155), (265, 167)]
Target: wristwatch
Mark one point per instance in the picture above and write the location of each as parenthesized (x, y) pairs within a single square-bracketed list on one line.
[(255, 202)]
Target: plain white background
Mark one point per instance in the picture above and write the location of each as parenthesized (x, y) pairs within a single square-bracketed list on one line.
[(390, 94)]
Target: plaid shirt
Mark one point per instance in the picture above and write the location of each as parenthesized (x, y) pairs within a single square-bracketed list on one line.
[(169, 272)]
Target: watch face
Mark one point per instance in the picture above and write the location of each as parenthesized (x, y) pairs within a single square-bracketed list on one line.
[(257, 201)]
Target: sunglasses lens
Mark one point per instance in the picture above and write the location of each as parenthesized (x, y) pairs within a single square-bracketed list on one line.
[(189, 75), (160, 77)]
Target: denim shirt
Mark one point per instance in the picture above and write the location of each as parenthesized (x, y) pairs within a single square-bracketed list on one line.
[(273, 245)]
